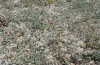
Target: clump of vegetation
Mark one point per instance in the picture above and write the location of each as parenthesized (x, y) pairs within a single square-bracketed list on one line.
[(85, 27), (84, 58)]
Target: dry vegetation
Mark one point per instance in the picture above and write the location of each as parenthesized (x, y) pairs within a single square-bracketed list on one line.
[(49, 32)]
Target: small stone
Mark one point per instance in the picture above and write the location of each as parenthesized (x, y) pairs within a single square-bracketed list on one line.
[(68, 56), (91, 62), (72, 64), (64, 49)]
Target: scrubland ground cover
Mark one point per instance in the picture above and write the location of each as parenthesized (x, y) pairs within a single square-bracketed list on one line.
[(49, 32)]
